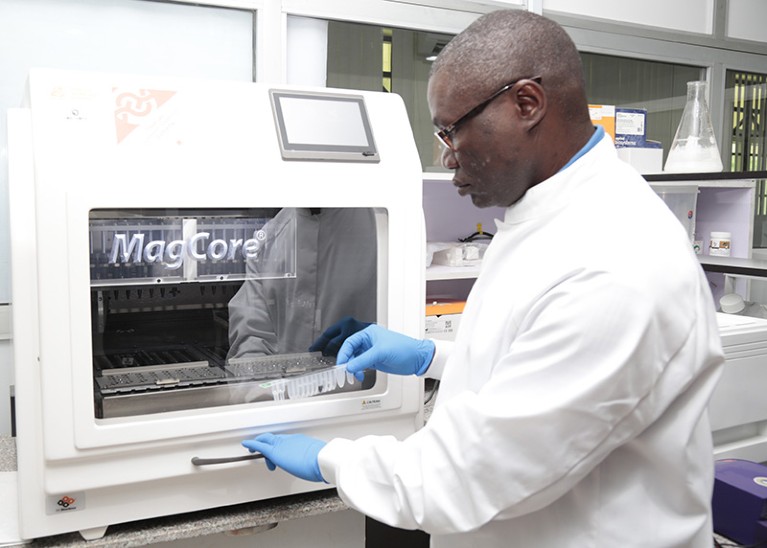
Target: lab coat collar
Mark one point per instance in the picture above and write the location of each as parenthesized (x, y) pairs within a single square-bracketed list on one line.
[(556, 192)]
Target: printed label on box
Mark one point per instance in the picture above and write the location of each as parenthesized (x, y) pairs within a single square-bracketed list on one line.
[(629, 123), (442, 327)]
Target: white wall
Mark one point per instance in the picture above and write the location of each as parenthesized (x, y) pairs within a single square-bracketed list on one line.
[(682, 15), (307, 51), (747, 19)]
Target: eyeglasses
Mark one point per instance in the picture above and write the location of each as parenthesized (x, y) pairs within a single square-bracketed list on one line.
[(445, 134)]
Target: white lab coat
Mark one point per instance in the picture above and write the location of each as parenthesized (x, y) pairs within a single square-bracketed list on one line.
[(571, 411)]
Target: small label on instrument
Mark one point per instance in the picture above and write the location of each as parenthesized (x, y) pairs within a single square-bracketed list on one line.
[(69, 502), (371, 403)]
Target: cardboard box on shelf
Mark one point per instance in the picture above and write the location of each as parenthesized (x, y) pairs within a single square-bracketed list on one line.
[(604, 115), (443, 316), (630, 127), (645, 159)]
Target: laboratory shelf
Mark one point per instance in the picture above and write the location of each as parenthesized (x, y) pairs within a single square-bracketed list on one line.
[(716, 177), (725, 203), (441, 272), (756, 268)]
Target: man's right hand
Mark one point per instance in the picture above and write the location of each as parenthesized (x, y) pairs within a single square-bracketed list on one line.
[(378, 348)]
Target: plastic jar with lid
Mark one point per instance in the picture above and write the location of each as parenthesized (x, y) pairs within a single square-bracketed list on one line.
[(719, 244)]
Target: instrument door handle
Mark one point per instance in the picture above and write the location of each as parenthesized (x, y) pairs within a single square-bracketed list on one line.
[(200, 461)]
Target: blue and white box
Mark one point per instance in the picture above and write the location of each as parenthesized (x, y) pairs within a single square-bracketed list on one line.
[(630, 127)]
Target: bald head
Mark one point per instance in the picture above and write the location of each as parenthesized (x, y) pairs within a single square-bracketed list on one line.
[(508, 44), (509, 98)]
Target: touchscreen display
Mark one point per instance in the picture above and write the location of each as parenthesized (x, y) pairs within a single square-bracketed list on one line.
[(323, 127)]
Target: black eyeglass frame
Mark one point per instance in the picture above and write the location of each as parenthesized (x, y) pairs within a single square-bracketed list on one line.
[(444, 134)]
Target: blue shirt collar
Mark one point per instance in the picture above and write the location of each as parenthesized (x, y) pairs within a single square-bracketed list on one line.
[(598, 134)]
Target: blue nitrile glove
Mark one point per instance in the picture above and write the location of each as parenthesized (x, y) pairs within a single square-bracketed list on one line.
[(294, 453), (377, 348), (335, 335)]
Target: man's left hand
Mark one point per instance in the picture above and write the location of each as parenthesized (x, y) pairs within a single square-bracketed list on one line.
[(294, 453)]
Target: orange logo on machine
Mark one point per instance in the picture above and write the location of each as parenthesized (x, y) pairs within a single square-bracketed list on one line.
[(66, 502), (133, 107)]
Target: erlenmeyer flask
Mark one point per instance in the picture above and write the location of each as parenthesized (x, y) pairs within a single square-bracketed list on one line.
[(694, 148)]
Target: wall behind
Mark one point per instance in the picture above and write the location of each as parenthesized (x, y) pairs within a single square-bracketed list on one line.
[(685, 15), (746, 18)]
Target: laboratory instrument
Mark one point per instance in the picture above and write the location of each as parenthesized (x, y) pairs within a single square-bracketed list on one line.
[(177, 246)]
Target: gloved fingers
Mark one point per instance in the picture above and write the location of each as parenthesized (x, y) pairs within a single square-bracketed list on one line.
[(267, 438), (354, 345), (296, 454), (358, 365), (263, 443), (256, 446), (345, 352)]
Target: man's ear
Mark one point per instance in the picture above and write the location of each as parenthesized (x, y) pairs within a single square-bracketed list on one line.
[(531, 103)]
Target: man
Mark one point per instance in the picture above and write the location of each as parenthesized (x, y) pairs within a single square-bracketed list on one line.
[(572, 407)]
